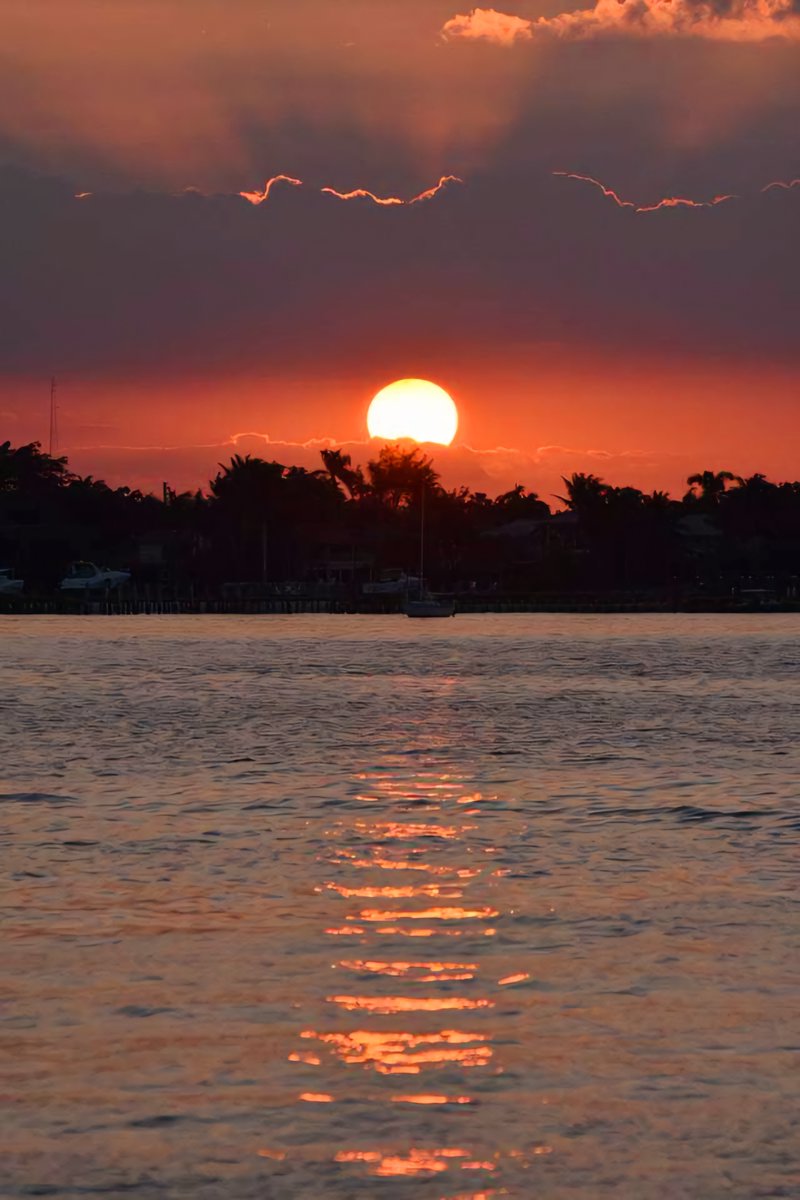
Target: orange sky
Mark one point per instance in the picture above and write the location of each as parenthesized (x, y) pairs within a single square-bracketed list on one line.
[(641, 423), (650, 343)]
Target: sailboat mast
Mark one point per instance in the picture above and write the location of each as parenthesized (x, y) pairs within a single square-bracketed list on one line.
[(422, 540)]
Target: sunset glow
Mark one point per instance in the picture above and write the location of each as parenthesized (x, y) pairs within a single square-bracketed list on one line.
[(413, 408), (400, 597), (305, 237)]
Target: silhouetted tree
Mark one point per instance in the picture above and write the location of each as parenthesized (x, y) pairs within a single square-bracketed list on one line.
[(708, 486), (264, 521), (341, 470), (585, 493), (246, 493), (28, 469), (519, 504), (397, 476)]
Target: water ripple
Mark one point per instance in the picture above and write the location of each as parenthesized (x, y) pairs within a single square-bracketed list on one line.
[(342, 906)]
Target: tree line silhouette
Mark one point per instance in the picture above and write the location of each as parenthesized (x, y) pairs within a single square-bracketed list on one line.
[(267, 524)]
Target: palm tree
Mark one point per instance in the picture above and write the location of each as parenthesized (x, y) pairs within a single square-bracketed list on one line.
[(708, 486), (398, 475), (28, 469), (247, 479), (659, 501), (755, 485), (247, 492), (585, 493), (520, 503), (341, 470)]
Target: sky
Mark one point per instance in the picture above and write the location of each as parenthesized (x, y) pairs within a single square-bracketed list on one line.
[(582, 222)]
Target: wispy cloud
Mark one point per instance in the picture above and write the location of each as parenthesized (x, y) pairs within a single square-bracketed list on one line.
[(260, 197), (491, 469), (389, 201), (664, 202), (785, 184), (257, 198)]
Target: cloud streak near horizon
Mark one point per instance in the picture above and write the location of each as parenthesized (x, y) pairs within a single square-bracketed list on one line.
[(393, 201), (494, 469), (257, 198), (156, 284), (664, 202)]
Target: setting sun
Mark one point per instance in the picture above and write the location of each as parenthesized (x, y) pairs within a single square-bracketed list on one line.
[(413, 408)]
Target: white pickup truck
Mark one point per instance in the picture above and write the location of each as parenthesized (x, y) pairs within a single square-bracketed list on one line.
[(86, 577)]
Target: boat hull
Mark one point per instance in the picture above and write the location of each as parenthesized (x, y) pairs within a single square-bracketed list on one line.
[(430, 608)]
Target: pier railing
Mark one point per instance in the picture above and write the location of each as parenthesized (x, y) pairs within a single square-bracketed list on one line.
[(129, 603)]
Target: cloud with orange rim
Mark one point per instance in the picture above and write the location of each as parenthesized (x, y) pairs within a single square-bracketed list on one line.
[(741, 21), (488, 25)]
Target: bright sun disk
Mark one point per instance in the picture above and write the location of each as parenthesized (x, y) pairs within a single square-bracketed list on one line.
[(413, 408)]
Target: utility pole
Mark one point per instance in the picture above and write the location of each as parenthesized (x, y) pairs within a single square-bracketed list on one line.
[(53, 418)]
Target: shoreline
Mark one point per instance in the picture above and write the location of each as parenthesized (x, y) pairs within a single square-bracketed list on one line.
[(294, 605)]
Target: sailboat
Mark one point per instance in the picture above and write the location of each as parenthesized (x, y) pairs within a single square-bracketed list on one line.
[(426, 604)]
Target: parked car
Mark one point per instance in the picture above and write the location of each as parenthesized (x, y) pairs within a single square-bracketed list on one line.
[(86, 577), (8, 584)]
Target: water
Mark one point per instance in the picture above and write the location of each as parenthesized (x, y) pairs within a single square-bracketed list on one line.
[(364, 907)]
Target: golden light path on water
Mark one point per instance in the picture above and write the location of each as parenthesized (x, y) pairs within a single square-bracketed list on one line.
[(333, 907), (414, 869)]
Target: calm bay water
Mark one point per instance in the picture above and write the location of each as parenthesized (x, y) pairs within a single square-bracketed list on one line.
[(366, 907)]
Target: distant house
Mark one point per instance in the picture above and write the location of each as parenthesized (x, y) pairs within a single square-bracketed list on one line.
[(700, 536), (158, 553), (531, 540), (151, 549), (336, 558)]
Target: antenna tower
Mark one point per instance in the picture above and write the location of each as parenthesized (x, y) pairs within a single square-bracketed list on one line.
[(53, 418)]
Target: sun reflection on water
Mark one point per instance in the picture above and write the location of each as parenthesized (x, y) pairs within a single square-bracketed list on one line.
[(398, 1004), (392, 1053), (443, 913), (448, 891), (420, 972), (453, 854)]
